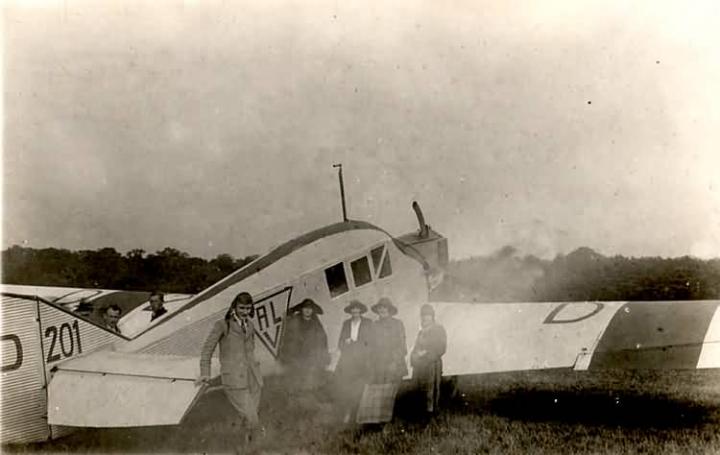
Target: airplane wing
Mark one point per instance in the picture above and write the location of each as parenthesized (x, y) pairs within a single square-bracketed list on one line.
[(112, 389), (481, 338), (485, 338)]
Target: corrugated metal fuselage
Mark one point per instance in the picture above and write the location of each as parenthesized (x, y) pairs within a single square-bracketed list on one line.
[(36, 336)]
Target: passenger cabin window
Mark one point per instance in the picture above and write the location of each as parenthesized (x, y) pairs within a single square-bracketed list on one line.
[(361, 271), (336, 280)]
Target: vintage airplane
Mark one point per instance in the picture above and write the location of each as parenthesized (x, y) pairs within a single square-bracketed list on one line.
[(149, 380)]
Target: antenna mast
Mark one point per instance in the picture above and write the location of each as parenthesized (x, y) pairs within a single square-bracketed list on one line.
[(342, 190)]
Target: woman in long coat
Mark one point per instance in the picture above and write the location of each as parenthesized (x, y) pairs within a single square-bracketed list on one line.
[(426, 358), (304, 351), (389, 345), (351, 373)]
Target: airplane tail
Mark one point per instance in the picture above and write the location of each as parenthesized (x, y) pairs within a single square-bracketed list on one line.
[(36, 336)]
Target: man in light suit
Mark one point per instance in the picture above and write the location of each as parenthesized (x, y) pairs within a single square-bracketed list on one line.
[(240, 372)]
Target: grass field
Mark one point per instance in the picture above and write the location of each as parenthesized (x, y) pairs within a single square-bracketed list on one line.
[(531, 412)]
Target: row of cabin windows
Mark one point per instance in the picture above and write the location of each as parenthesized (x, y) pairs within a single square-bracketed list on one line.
[(360, 268)]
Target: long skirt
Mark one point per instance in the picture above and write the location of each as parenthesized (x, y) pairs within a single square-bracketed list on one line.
[(377, 403), (351, 375), (427, 379)]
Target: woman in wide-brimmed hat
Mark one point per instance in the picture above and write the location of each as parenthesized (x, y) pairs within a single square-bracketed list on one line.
[(352, 369), (356, 305), (304, 351), (389, 347)]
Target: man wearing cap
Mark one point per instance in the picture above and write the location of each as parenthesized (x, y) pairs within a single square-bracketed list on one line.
[(304, 351), (426, 358), (389, 347), (352, 369), (241, 377)]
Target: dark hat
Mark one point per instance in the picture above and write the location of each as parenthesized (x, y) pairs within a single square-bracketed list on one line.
[(385, 302), (427, 309), (84, 306), (355, 304), (308, 303)]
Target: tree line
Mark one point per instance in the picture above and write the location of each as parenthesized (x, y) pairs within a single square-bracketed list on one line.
[(582, 275), (168, 270), (504, 276)]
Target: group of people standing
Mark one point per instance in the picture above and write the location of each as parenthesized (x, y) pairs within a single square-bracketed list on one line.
[(371, 352)]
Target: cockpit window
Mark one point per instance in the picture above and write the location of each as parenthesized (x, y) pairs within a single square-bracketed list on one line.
[(376, 254), (386, 269), (361, 271), (336, 280)]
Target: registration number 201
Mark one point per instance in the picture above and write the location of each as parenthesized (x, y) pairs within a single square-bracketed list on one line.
[(64, 341)]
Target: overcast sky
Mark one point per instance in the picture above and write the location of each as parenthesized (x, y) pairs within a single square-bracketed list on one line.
[(212, 127)]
